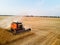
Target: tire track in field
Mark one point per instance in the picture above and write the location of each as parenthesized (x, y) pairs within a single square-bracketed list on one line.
[(49, 39), (40, 40)]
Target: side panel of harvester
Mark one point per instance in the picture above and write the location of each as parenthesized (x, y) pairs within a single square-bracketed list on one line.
[(14, 26)]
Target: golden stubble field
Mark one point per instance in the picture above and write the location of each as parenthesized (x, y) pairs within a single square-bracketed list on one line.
[(45, 24), (42, 23), (46, 32)]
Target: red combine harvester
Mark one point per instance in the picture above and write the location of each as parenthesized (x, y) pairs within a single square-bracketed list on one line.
[(17, 27)]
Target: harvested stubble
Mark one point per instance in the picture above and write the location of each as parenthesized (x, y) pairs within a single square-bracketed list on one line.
[(7, 37)]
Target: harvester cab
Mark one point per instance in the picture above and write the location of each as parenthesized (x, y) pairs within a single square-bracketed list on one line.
[(17, 27)]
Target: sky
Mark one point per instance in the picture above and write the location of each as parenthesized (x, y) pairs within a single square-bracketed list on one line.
[(30, 7)]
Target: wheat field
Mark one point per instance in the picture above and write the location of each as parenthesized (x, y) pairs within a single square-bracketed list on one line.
[(46, 31)]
